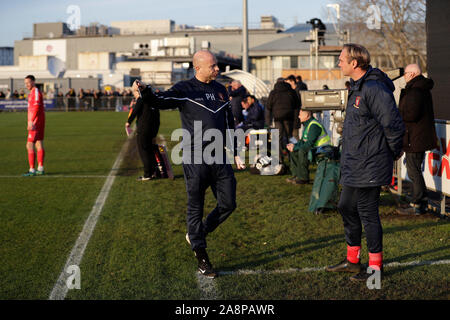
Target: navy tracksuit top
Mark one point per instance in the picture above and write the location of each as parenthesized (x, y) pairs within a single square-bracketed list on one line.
[(197, 101)]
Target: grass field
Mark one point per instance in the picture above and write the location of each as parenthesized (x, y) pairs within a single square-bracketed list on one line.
[(138, 251)]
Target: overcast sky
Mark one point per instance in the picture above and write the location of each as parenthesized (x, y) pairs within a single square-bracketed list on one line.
[(17, 17)]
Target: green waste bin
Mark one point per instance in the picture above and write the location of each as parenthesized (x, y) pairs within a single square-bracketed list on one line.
[(325, 190)]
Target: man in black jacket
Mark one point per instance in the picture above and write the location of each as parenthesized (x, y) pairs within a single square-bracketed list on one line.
[(372, 140), (203, 104), (147, 129), (416, 108), (281, 105), (237, 95)]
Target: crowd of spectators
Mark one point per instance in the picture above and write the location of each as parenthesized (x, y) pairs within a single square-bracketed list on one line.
[(85, 99), (82, 93)]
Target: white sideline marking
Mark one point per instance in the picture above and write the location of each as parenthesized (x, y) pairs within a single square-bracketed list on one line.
[(207, 287), (60, 289), (209, 291), (293, 270)]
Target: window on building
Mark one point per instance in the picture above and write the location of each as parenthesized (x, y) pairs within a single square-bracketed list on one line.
[(294, 62), (327, 62), (304, 62), (286, 62)]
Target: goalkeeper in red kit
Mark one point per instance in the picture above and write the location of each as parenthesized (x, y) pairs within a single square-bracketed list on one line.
[(35, 127)]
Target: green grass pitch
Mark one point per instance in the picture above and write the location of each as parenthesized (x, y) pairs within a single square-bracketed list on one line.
[(138, 251)]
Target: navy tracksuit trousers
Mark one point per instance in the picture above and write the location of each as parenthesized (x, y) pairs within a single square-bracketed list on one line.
[(198, 178), (360, 205)]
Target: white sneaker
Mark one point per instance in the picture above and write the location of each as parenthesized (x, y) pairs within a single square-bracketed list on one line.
[(187, 238), (142, 178)]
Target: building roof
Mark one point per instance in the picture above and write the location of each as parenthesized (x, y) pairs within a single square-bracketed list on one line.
[(294, 41), (305, 27)]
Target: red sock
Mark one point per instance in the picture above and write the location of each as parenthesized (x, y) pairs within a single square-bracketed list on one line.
[(40, 157), (31, 158), (376, 260), (353, 253)]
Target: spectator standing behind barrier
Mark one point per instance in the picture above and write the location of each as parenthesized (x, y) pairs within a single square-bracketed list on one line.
[(281, 105), (314, 135), (372, 140), (237, 94), (416, 108), (71, 98), (50, 94), (8, 94)]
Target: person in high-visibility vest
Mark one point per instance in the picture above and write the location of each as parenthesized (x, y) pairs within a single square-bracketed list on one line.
[(314, 135)]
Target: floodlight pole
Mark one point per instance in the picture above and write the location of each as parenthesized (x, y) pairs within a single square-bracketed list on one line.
[(245, 37)]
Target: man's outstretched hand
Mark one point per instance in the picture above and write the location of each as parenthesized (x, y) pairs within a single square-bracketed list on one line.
[(128, 129), (239, 163)]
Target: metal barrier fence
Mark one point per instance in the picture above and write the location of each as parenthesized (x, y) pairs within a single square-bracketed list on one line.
[(105, 103)]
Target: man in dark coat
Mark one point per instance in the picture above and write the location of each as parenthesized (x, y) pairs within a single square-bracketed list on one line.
[(148, 121), (416, 108), (296, 126), (372, 140), (237, 94), (281, 105)]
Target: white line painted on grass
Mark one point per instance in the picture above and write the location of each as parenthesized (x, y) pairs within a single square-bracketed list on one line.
[(209, 290), (60, 289), (294, 270), (207, 287)]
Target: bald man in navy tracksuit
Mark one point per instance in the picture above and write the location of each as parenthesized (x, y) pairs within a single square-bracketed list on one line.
[(201, 99)]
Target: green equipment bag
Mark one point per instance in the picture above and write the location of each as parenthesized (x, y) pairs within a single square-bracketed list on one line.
[(325, 190)]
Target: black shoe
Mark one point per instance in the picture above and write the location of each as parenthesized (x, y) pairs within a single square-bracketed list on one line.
[(204, 266), (345, 266), (417, 211), (362, 276), (319, 211), (300, 181)]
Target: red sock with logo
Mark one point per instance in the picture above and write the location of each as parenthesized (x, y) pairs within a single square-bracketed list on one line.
[(376, 260), (31, 158), (40, 157), (353, 253)]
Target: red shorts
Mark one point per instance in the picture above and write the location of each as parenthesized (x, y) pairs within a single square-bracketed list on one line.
[(35, 135)]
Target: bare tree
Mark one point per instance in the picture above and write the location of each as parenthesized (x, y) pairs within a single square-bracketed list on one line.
[(400, 36)]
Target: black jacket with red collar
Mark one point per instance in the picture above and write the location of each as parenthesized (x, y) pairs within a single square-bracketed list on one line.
[(373, 132)]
